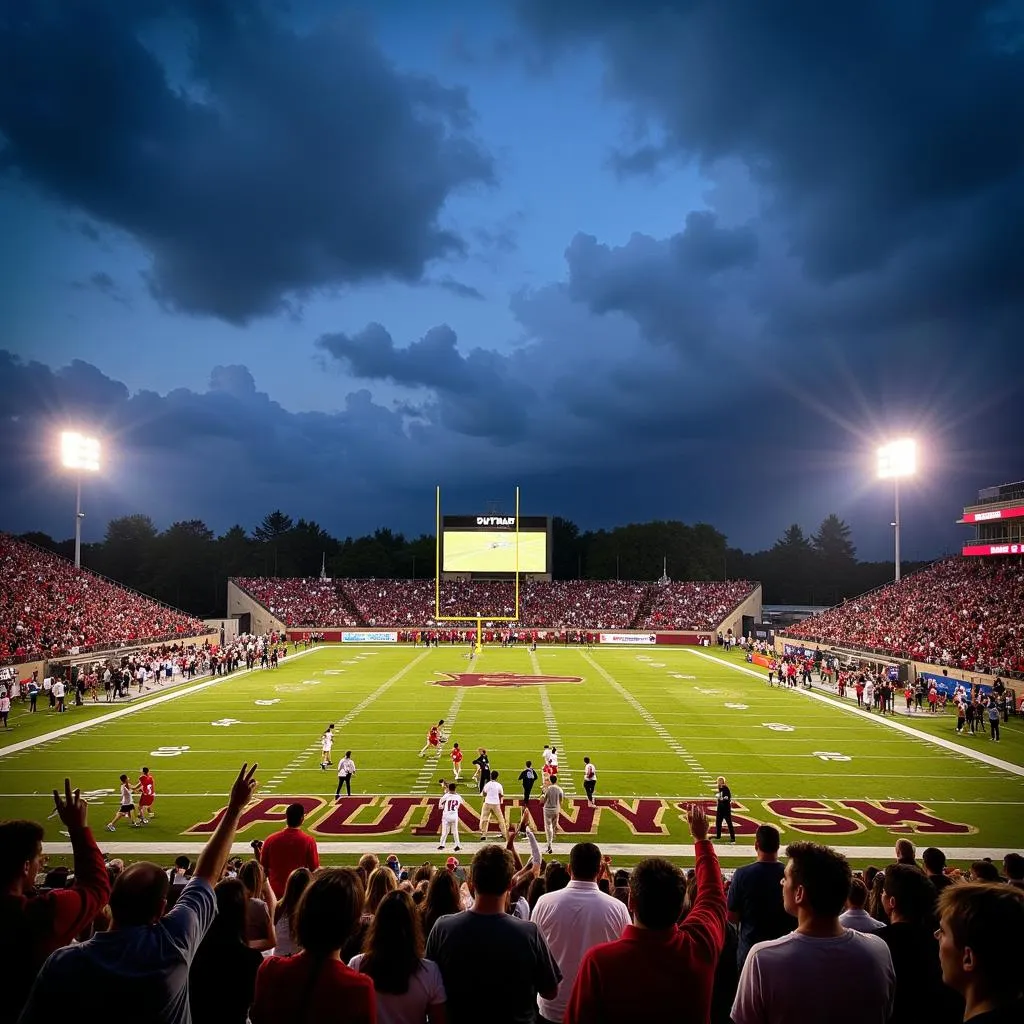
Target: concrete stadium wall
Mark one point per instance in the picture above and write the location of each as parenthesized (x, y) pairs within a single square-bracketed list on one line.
[(240, 603), (750, 606)]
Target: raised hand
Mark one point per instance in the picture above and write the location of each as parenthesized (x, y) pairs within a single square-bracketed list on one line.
[(243, 788), (697, 819), (72, 810)]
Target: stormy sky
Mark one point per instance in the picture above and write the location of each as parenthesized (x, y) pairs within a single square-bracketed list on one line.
[(686, 260)]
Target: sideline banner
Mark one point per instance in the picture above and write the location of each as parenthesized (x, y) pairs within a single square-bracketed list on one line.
[(385, 637), (628, 638), (948, 685)]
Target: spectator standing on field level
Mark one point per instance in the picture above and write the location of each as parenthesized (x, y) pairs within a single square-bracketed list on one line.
[(575, 919), (589, 780), (553, 797), (33, 926), (723, 810), (821, 973), (658, 971), (755, 895), (289, 849), (138, 970), (346, 769)]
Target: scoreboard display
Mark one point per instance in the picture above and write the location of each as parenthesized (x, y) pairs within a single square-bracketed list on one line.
[(490, 544)]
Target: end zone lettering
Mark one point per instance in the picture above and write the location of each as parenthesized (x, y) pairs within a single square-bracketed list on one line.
[(366, 816)]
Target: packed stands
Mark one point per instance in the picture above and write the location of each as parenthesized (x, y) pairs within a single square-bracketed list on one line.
[(964, 613), (307, 602), (693, 605), (49, 608), (560, 604)]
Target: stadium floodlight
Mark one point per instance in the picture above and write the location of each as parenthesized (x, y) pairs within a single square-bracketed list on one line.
[(82, 454), (896, 460)]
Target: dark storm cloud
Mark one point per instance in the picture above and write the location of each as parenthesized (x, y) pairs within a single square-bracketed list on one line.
[(480, 394), (870, 124), (282, 163)]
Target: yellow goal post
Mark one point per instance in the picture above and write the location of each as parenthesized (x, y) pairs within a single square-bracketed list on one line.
[(479, 617)]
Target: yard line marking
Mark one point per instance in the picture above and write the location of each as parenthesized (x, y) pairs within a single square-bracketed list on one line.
[(551, 724), (432, 758), (658, 728), (37, 741), (938, 741)]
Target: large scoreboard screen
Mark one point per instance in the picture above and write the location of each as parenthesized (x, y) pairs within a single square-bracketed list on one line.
[(488, 544)]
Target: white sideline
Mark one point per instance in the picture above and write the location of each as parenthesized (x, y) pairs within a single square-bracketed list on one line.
[(131, 709), (428, 849), (977, 755)]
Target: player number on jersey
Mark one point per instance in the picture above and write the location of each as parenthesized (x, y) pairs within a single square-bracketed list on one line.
[(168, 751), (830, 755)]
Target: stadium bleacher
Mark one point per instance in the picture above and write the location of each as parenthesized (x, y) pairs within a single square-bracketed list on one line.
[(48, 608), (559, 604), (962, 612)]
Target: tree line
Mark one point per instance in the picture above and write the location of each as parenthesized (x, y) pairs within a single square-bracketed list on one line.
[(187, 565)]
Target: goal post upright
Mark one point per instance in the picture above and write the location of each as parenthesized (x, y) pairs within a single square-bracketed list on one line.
[(479, 616)]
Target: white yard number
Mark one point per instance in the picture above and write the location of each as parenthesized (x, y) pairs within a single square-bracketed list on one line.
[(226, 721), (778, 727), (97, 794), (738, 707), (168, 751), (267, 703), (830, 755)]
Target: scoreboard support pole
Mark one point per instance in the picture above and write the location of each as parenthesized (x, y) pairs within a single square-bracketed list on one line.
[(479, 617)]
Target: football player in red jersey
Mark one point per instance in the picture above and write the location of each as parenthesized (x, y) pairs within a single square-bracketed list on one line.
[(146, 788)]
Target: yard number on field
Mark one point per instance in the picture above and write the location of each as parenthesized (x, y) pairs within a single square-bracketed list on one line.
[(168, 751)]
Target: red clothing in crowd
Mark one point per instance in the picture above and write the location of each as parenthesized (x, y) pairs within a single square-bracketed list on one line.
[(285, 851), (657, 975), (32, 927), (287, 991)]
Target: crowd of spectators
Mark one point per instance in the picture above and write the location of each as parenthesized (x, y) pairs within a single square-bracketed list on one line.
[(966, 613), (694, 605), (278, 937), (301, 602), (48, 608), (557, 604)]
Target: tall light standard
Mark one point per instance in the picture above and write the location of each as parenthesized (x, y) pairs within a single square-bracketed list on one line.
[(895, 460), (82, 454)]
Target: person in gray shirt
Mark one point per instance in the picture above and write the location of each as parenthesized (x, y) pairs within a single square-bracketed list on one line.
[(553, 797), (137, 973)]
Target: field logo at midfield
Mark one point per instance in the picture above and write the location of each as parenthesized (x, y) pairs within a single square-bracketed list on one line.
[(500, 679)]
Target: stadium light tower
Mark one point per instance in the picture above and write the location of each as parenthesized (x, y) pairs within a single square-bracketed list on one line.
[(82, 454), (896, 460)]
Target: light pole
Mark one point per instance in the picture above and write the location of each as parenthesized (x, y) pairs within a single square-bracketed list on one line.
[(897, 459), (82, 454)]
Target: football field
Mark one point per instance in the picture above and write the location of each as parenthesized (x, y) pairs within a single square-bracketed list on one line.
[(659, 724)]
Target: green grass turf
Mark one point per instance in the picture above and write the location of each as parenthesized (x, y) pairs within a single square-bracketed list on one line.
[(655, 721)]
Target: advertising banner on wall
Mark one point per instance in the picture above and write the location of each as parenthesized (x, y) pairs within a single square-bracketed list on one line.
[(384, 637), (948, 685), (629, 638)]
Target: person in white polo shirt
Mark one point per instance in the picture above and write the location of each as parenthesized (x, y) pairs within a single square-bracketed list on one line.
[(574, 919), (493, 795)]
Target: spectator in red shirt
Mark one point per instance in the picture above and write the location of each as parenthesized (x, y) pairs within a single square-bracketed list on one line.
[(658, 970), (32, 926), (315, 985), (289, 849)]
